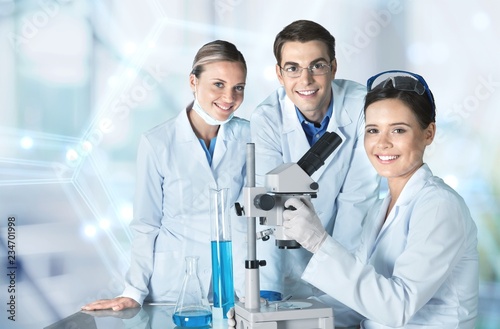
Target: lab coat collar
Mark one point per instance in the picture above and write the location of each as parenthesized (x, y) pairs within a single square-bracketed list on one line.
[(412, 188), (296, 136), (293, 130), (185, 132), (340, 116), (416, 182), (221, 145), (185, 135)]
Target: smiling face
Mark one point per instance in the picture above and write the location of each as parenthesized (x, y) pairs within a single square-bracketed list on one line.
[(219, 88), (394, 140), (311, 94)]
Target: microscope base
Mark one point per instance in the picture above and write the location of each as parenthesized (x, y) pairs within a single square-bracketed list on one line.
[(293, 314)]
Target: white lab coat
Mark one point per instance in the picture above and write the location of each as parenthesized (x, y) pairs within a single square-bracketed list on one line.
[(171, 206), (348, 184), (418, 269)]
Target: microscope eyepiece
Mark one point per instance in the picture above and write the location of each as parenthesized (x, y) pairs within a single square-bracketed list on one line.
[(319, 152)]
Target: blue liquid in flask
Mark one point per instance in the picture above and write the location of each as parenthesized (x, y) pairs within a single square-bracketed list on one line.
[(192, 318), (222, 264)]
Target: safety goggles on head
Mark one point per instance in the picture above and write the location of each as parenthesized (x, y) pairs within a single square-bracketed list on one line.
[(417, 84)]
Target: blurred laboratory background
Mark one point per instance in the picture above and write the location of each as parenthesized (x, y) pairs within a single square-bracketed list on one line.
[(81, 80)]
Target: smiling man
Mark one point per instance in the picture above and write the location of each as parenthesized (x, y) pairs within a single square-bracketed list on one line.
[(284, 126)]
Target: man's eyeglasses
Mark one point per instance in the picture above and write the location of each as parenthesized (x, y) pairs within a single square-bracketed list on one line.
[(417, 84), (295, 71)]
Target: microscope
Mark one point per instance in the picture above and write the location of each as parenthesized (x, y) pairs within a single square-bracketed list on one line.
[(267, 203)]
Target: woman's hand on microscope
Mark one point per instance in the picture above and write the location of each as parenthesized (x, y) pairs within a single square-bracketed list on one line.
[(301, 223)]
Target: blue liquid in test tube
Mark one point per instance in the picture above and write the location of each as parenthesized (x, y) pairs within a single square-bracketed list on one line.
[(222, 271)]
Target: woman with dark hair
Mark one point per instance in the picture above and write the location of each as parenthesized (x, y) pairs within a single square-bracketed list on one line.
[(417, 266), (178, 162)]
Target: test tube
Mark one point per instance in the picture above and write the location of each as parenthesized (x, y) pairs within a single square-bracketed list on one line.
[(222, 256)]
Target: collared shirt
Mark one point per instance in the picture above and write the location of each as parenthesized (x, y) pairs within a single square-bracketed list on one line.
[(209, 151), (313, 130)]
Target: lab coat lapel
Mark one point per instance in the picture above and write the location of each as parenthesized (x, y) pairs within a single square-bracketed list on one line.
[(412, 187), (220, 146), (340, 118), (296, 138), (373, 228), (188, 141)]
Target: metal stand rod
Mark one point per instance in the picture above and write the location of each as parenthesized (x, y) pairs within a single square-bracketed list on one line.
[(252, 284)]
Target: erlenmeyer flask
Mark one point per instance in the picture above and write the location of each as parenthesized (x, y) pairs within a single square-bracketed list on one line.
[(192, 309), (222, 256)]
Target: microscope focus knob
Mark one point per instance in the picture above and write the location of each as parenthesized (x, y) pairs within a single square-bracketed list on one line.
[(314, 186), (239, 209), (265, 202)]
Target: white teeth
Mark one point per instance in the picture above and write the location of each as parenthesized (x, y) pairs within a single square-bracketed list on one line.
[(224, 108), (387, 157), (307, 92)]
